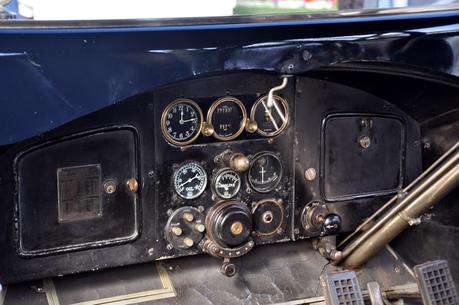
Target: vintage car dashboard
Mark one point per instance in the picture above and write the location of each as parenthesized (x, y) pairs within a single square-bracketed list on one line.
[(212, 164)]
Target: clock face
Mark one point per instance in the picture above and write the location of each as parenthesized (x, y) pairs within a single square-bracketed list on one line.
[(227, 183), (181, 122), (190, 180)]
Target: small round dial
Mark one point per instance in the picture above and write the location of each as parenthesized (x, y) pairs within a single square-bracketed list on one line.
[(271, 121), (265, 172), (190, 180), (227, 183), (227, 116), (181, 122)]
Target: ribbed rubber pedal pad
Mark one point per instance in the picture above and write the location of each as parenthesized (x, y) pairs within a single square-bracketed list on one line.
[(436, 283), (341, 288)]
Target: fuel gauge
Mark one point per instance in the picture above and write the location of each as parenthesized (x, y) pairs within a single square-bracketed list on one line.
[(227, 183), (265, 172)]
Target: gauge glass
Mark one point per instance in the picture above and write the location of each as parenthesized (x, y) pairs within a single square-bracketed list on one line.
[(227, 183), (271, 121), (265, 172), (181, 122), (228, 117), (190, 180)]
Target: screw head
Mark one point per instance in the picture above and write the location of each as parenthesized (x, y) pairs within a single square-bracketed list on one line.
[(364, 142), (110, 186), (310, 174)]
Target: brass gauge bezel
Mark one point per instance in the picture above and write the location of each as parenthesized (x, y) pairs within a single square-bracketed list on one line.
[(284, 124), (243, 120), (163, 121)]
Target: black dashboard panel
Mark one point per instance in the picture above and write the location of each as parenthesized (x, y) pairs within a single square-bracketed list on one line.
[(271, 188)]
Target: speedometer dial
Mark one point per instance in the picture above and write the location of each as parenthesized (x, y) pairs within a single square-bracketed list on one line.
[(181, 122), (271, 121), (190, 180), (227, 116), (265, 172), (227, 183)]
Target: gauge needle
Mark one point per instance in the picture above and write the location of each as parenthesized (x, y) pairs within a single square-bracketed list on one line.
[(189, 180), (270, 115), (181, 117), (262, 172), (184, 121)]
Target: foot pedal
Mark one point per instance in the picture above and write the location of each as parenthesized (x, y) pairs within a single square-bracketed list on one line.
[(341, 288), (436, 283)]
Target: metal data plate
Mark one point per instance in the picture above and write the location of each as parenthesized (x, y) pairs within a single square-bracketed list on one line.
[(79, 192)]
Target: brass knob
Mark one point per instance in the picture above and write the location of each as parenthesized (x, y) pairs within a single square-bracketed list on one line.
[(133, 185), (237, 228), (251, 126), (207, 129), (239, 162)]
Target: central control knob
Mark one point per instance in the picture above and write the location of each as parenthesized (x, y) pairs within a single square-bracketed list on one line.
[(230, 223)]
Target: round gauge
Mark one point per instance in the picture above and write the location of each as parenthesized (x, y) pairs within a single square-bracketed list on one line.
[(190, 180), (265, 172), (227, 116), (271, 121), (227, 183), (181, 122)]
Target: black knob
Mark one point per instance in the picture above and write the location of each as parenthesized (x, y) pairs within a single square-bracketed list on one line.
[(332, 224), (232, 224)]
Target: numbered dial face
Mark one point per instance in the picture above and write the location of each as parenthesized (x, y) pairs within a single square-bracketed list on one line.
[(265, 172), (272, 120), (227, 184), (228, 117), (190, 180), (181, 122)]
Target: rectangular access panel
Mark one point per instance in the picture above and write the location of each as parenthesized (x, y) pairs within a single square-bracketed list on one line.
[(362, 155), (72, 193)]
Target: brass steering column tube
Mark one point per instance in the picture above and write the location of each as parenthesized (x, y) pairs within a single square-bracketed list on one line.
[(443, 177)]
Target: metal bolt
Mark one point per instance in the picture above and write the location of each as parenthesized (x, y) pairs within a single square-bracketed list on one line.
[(200, 227), (310, 174), (365, 142), (110, 187), (177, 231), (307, 55), (151, 251), (397, 269), (188, 242), (188, 216)]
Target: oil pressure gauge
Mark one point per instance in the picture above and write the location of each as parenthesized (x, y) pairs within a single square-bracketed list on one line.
[(265, 172), (190, 180), (227, 183)]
